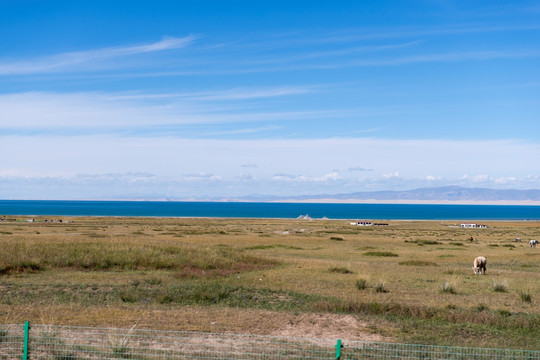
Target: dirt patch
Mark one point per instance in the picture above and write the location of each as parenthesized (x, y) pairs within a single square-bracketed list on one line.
[(326, 326)]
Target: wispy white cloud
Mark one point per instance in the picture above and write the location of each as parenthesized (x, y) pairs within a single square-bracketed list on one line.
[(332, 53), (228, 94), (332, 176), (356, 34), (358, 168), (201, 176), (74, 61), (113, 112)]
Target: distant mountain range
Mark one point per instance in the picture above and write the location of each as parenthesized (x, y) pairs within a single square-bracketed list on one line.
[(446, 194)]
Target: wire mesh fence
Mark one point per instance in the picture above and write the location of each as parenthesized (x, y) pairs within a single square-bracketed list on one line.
[(375, 350), (11, 341), (72, 343)]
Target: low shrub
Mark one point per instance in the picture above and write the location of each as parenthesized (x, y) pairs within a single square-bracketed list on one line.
[(480, 308), (273, 246), (340, 270), (423, 242), (525, 296), (449, 287), (380, 287), (500, 286), (418, 263), (361, 284), (336, 238), (380, 253)]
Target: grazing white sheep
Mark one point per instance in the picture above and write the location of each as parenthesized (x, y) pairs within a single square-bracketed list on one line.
[(479, 265), (533, 243)]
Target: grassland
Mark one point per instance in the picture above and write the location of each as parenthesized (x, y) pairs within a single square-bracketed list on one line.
[(407, 282)]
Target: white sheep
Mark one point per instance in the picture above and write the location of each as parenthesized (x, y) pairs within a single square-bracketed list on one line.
[(479, 265)]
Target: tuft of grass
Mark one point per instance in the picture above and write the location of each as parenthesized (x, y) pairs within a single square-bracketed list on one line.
[(380, 287), (119, 346), (361, 284), (380, 253), (525, 296), (365, 247), (418, 263), (340, 270), (424, 242), (481, 307), (273, 246), (499, 286), (153, 281), (449, 287)]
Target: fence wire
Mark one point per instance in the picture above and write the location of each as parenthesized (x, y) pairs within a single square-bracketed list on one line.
[(60, 342), (78, 343), (390, 351), (11, 341)]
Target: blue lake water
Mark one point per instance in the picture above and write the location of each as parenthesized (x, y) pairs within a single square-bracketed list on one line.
[(268, 210)]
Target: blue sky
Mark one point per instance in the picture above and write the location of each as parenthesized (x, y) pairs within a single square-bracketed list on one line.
[(210, 99)]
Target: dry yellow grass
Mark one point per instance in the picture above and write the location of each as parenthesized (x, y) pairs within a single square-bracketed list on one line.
[(89, 267)]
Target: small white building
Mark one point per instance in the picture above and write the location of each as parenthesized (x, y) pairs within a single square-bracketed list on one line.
[(364, 223), (473, 226)]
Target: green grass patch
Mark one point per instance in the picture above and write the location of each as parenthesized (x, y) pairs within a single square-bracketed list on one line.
[(424, 242), (418, 263), (380, 253), (361, 284), (340, 270), (365, 247), (273, 246)]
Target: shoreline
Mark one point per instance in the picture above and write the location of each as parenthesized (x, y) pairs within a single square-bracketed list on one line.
[(25, 216)]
